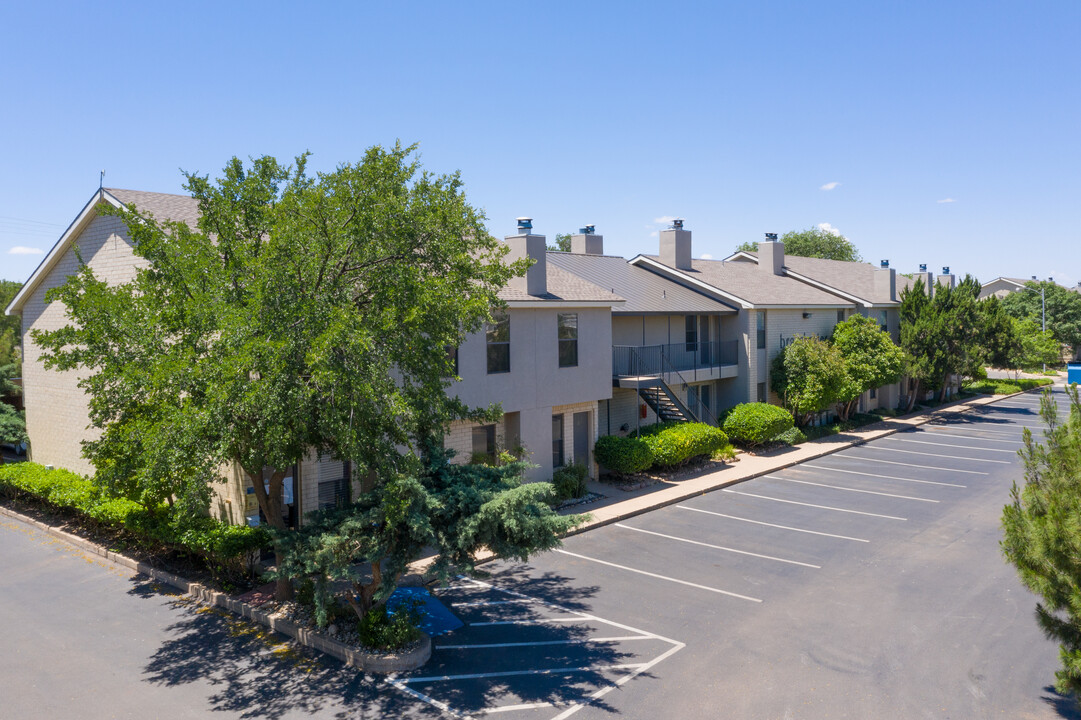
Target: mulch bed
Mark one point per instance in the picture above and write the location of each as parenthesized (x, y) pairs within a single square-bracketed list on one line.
[(641, 480)]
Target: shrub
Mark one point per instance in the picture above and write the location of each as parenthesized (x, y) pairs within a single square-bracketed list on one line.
[(791, 436), (677, 443), (623, 455), (756, 423), (570, 482), (381, 630)]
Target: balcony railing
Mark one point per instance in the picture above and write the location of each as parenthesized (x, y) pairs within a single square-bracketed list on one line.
[(654, 360)]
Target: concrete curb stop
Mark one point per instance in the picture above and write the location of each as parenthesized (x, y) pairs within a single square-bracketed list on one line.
[(382, 663)]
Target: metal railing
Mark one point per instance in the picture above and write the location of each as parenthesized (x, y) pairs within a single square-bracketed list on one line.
[(653, 360)]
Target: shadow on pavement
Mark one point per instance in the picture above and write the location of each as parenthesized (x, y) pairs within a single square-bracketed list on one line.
[(1064, 705)]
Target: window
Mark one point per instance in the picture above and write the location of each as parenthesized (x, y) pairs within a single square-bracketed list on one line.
[(874, 393), (761, 321), (483, 444), (840, 316), (557, 441), (568, 340), (333, 483), (452, 358), (884, 321), (497, 334), (761, 392), (691, 325)]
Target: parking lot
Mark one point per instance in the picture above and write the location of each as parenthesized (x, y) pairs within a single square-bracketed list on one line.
[(866, 583)]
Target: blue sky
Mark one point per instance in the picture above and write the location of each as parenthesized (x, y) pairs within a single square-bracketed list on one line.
[(927, 132)]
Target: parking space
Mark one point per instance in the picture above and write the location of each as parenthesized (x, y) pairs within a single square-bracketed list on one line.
[(521, 656), (711, 570)]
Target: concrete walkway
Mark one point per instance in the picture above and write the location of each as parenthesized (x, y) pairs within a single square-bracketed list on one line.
[(619, 505)]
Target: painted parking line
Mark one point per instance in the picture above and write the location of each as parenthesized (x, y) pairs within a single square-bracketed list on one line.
[(569, 707), (894, 462), (527, 621), (1000, 435), (953, 445), (848, 489), (782, 527), (576, 641), (485, 603), (940, 433), (718, 547), (659, 577), (874, 475), (927, 454), (820, 507)]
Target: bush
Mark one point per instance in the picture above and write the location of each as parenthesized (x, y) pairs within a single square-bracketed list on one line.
[(791, 436), (570, 482), (225, 548), (623, 455), (756, 423), (381, 630), (677, 443), (1006, 387)]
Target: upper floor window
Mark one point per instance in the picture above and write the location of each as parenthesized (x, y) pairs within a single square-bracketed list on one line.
[(691, 334), (497, 334), (840, 316), (452, 358), (761, 321), (568, 340)]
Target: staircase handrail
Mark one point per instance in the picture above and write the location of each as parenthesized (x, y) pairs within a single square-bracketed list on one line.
[(667, 367)]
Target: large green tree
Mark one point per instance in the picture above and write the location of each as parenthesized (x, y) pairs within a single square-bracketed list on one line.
[(999, 337), (809, 376), (12, 422), (302, 314), (10, 327), (1063, 310), (562, 242), (870, 359), (1042, 532), (814, 242)]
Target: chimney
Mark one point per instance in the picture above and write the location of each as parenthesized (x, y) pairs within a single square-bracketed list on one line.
[(526, 244), (587, 241), (885, 282), (927, 277), (676, 246), (946, 279), (771, 255)]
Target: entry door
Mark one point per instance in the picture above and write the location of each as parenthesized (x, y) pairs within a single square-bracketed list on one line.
[(581, 439)]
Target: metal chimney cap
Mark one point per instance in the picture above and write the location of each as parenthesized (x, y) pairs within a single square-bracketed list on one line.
[(923, 267), (945, 269), (1033, 277), (771, 237), (884, 264), (525, 223), (588, 229), (677, 224)]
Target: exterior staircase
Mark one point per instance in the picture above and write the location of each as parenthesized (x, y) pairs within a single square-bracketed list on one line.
[(665, 403)]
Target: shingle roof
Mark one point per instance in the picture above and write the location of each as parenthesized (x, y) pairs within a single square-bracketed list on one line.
[(644, 291), (163, 206), (854, 278), (563, 286), (753, 284)]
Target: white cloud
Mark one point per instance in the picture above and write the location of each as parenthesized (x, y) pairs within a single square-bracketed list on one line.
[(829, 186), (23, 250), (664, 219), (946, 200), (653, 234), (829, 228), (706, 256)]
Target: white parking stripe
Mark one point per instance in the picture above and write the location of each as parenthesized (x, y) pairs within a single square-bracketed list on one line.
[(511, 673), (485, 603), (972, 427), (626, 678), (894, 462), (782, 527), (848, 489), (660, 577), (1003, 440), (884, 477), (917, 452), (718, 547), (538, 621), (485, 646), (953, 445), (820, 507), (515, 708)]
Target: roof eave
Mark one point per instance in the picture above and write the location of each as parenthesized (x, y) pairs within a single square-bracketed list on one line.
[(661, 268)]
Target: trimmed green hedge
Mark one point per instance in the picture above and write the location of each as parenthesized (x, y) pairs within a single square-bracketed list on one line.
[(1006, 387), (623, 455), (675, 443), (225, 548), (756, 423)]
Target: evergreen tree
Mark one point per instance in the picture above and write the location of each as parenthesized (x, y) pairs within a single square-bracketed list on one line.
[(1042, 532)]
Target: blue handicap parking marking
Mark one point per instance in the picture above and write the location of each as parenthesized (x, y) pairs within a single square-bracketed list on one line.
[(435, 618)]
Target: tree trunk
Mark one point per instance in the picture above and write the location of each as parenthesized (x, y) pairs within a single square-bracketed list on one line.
[(915, 391), (271, 505)]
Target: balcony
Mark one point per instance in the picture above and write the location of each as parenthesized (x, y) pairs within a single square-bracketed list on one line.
[(634, 365)]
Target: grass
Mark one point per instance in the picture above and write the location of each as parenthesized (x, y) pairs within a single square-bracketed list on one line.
[(1006, 387)]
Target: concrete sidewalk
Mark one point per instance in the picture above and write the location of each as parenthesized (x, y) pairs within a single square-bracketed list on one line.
[(619, 505)]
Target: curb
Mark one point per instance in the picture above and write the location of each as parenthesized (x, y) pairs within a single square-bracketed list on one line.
[(354, 657), (959, 407)]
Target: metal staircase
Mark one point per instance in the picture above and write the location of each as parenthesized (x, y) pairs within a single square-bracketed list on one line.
[(666, 403)]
